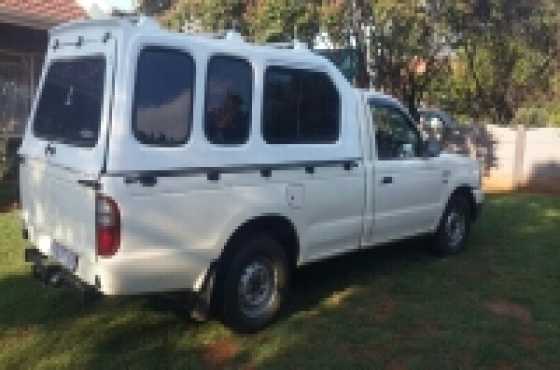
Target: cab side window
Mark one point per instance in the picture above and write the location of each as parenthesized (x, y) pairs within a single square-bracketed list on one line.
[(229, 92), (396, 138), (163, 97)]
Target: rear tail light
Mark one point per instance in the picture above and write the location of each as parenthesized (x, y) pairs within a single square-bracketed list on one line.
[(107, 226)]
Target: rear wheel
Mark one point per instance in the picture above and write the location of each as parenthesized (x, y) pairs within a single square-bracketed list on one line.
[(454, 227), (256, 283)]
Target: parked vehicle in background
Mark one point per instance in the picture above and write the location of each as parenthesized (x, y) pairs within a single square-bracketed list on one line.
[(441, 126), (439, 118), (158, 162)]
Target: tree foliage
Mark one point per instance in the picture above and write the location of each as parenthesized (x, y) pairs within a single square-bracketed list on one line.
[(262, 21), (282, 20), (411, 46), (482, 58), (509, 49), (207, 15)]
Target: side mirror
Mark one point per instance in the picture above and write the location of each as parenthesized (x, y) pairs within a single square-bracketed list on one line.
[(432, 148)]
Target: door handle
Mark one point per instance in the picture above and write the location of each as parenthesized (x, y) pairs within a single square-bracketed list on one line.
[(50, 149), (387, 180), (94, 184), (144, 180)]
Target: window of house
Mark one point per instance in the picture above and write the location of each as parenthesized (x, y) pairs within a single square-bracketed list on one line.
[(300, 107), (19, 75), (163, 97), (229, 88), (396, 137)]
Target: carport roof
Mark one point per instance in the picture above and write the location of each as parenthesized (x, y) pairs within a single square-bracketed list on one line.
[(39, 14)]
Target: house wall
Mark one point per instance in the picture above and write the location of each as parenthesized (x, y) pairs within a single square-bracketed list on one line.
[(519, 158), (21, 39), (21, 58), (541, 169)]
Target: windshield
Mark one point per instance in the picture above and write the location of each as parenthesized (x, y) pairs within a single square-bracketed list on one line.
[(69, 109)]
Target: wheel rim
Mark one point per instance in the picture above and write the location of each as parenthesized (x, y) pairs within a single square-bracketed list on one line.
[(455, 227), (256, 287)]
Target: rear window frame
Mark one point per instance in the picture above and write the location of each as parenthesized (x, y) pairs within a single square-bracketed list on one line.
[(104, 100), (301, 69), (252, 99), (133, 128)]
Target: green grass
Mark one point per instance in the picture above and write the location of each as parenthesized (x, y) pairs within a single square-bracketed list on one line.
[(496, 306)]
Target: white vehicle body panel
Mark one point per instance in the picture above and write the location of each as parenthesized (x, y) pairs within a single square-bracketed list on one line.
[(173, 230), (56, 208)]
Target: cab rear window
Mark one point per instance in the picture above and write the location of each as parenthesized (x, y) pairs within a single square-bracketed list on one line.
[(70, 105)]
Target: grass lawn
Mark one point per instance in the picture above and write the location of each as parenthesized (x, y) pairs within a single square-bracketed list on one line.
[(496, 306)]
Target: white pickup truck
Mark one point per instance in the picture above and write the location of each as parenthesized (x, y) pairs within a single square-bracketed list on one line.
[(157, 162)]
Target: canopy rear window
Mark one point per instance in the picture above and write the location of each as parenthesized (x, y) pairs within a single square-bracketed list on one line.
[(69, 109)]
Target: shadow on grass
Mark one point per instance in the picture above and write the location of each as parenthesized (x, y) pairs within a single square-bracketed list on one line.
[(155, 331), (317, 281), (50, 327), (386, 307), (8, 196)]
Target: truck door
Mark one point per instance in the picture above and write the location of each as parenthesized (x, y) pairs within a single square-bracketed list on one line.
[(406, 186)]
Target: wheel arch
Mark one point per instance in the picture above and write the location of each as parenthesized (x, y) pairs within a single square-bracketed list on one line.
[(277, 226), (467, 192)]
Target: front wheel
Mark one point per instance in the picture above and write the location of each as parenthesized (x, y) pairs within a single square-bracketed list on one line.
[(454, 227), (256, 283)]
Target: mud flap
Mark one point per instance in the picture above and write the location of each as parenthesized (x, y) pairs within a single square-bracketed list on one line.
[(201, 306)]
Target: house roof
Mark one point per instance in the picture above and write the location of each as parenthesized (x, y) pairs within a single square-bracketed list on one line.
[(40, 13)]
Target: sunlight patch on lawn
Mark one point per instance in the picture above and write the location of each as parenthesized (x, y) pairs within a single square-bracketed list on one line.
[(337, 298), (552, 213)]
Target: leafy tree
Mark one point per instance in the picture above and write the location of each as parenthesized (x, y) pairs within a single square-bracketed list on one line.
[(412, 42), (509, 49), (282, 20), (403, 43), (348, 23), (207, 15), (483, 58), (262, 20), (153, 7)]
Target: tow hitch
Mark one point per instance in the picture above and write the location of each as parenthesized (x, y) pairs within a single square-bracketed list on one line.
[(55, 276)]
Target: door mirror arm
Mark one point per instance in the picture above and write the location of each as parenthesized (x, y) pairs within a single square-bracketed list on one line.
[(431, 148)]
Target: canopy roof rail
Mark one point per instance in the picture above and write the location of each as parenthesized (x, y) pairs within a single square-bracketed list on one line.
[(209, 35), (279, 45), (295, 44)]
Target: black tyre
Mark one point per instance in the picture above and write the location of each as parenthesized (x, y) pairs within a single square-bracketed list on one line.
[(454, 227), (256, 283)]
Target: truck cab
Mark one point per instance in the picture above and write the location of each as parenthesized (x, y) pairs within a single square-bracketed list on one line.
[(410, 182), (155, 162)]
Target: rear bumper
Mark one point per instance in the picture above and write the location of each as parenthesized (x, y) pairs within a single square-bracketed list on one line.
[(142, 273), (151, 272), (55, 275)]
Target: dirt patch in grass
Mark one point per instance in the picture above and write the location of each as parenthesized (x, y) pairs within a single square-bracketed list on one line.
[(511, 310), (420, 330), (250, 366), (529, 342), (365, 352), (219, 354), (396, 364), (385, 309), (504, 366)]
